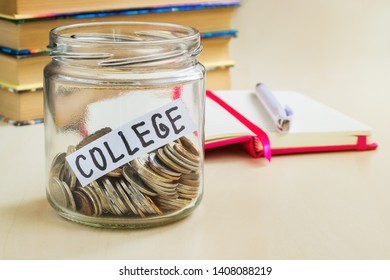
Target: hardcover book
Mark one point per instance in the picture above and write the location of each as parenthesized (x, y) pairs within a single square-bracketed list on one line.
[(315, 127)]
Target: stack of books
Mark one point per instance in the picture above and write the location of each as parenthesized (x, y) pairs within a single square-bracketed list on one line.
[(25, 26)]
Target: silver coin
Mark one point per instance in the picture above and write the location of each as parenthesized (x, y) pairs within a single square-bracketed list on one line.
[(160, 189), (136, 200), (58, 159), (140, 165), (145, 203), (99, 192), (142, 200), (56, 171), (57, 192), (71, 203), (120, 186), (114, 197), (132, 177), (157, 166)]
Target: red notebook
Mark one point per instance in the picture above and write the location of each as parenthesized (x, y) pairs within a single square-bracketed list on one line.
[(238, 117)]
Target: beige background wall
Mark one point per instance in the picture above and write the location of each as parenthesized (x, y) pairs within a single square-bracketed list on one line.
[(333, 50)]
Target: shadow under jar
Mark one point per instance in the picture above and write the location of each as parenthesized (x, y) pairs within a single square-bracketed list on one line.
[(124, 123)]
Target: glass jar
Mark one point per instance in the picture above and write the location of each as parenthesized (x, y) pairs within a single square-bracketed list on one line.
[(124, 123)]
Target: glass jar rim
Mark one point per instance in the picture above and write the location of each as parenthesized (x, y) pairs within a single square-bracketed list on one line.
[(64, 34)]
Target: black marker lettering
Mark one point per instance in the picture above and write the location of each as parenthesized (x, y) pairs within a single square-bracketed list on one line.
[(79, 167), (103, 166), (128, 149), (160, 127), (141, 134), (114, 159), (173, 120)]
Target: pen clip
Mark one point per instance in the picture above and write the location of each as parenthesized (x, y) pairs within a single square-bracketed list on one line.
[(281, 117)]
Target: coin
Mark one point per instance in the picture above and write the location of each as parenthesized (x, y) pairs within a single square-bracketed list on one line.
[(156, 209), (189, 146), (120, 186), (157, 183), (91, 199), (161, 189), (178, 161), (57, 171), (115, 199), (117, 172), (189, 182), (58, 159), (144, 171), (96, 135), (57, 192), (191, 176), (104, 198), (96, 200), (132, 177), (73, 179), (180, 157), (136, 200), (83, 205), (175, 204), (167, 161), (157, 166), (71, 203), (194, 159), (99, 192)]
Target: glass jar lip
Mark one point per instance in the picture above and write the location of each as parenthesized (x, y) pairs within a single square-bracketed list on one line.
[(62, 34)]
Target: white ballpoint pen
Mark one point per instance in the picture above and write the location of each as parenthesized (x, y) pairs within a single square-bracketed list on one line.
[(282, 117)]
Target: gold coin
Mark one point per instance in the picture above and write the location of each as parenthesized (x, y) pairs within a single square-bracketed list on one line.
[(91, 199), (186, 154), (178, 161), (96, 200), (182, 158), (161, 189), (171, 164), (117, 172), (156, 209), (191, 176), (194, 183), (187, 143)]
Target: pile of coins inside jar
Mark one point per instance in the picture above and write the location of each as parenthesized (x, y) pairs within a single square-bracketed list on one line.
[(164, 180)]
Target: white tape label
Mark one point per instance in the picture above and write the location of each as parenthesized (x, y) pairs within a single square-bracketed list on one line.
[(134, 139)]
